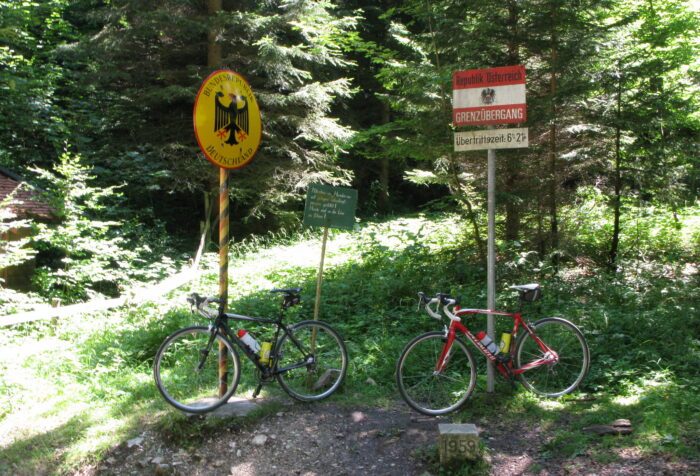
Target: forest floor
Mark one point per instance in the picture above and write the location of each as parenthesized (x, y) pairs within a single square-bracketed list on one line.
[(335, 440)]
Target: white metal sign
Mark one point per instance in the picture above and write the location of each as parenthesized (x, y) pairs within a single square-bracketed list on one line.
[(488, 96), (491, 139)]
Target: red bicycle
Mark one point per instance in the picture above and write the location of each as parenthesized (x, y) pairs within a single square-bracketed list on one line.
[(436, 372)]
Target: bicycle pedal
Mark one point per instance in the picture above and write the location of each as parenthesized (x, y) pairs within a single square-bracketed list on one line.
[(257, 390)]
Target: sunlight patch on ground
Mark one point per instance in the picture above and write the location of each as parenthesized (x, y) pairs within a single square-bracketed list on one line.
[(658, 380), (550, 404), (626, 400), (37, 419), (21, 385)]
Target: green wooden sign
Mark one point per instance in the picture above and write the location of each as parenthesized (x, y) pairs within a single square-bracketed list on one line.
[(332, 207)]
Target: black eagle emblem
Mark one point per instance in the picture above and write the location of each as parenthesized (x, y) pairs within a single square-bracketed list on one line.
[(488, 96), (231, 118)]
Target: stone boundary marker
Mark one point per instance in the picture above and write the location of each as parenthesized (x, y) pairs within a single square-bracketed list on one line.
[(458, 441)]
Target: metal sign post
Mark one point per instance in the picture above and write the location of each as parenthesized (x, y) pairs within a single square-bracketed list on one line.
[(491, 260), (487, 97)]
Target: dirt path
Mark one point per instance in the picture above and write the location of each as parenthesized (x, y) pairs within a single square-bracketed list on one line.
[(329, 439)]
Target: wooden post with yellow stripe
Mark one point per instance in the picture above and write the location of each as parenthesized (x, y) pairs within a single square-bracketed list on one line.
[(228, 129), (223, 270)]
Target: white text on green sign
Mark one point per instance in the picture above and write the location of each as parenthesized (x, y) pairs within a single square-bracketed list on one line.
[(333, 207)]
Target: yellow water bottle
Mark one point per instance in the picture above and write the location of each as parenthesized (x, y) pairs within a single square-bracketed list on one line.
[(505, 342), (265, 349)]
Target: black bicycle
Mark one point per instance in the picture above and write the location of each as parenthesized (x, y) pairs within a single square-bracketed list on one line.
[(308, 359)]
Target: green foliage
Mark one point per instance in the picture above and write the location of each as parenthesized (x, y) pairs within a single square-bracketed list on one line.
[(96, 376), (87, 254), (149, 61), (612, 100), (655, 233), (33, 125)]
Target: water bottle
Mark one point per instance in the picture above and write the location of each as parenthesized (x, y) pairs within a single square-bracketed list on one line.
[(265, 349), (249, 341), (505, 342), (487, 342)]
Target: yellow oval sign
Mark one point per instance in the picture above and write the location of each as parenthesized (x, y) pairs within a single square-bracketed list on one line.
[(227, 120)]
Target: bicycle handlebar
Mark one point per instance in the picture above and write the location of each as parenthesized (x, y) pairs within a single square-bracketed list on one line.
[(201, 304), (441, 299)]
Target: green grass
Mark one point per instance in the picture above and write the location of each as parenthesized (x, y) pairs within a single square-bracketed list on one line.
[(72, 389)]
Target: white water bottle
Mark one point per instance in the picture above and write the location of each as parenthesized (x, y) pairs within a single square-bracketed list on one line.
[(487, 342), (248, 340)]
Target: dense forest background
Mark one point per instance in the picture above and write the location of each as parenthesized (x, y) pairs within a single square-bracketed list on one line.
[(97, 99)]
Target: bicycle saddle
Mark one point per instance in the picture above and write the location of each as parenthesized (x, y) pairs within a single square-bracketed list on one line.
[(291, 296), (529, 292), (526, 287)]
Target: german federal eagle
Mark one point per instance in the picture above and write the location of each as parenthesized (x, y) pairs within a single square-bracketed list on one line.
[(231, 118)]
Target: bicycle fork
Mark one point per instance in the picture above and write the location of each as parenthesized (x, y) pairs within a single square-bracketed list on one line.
[(446, 351), (204, 353)]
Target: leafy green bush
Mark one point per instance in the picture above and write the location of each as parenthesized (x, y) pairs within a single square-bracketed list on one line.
[(91, 252)]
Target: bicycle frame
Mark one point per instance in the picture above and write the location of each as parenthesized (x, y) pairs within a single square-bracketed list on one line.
[(267, 371), (505, 367)]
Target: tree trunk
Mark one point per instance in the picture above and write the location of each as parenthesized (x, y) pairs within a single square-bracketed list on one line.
[(513, 166), (213, 48), (615, 242), (553, 219), (384, 172)]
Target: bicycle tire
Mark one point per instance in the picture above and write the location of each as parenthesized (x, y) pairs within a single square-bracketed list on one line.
[(175, 372), (563, 376), (421, 388), (330, 361)]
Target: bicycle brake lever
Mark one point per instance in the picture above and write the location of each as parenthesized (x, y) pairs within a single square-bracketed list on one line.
[(421, 299)]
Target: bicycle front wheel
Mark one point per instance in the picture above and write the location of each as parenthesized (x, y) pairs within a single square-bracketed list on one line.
[(310, 361), (427, 390), (564, 375), (186, 369)]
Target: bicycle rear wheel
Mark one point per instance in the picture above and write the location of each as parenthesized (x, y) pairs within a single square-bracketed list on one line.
[(564, 375), (179, 377), (315, 364), (422, 387)]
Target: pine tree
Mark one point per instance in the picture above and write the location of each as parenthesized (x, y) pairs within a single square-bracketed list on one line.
[(152, 57)]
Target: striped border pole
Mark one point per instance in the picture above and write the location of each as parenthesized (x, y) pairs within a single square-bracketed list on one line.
[(223, 270)]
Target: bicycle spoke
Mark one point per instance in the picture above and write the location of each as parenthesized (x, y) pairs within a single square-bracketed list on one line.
[(325, 375), (185, 380), (430, 392), (558, 377)]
